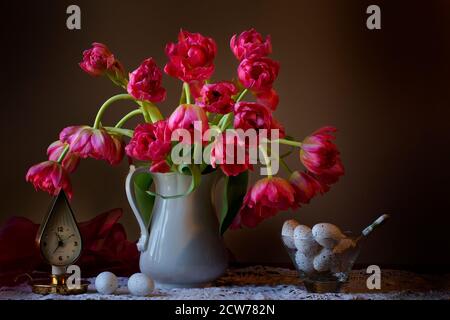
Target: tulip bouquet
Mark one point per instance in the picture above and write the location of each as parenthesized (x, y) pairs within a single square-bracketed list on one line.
[(199, 128)]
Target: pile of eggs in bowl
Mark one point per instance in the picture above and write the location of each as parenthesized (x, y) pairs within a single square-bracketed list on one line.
[(324, 249)]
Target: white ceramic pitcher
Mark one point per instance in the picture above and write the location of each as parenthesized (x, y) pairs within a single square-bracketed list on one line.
[(182, 248)]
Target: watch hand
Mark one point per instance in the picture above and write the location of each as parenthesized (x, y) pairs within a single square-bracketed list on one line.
[(57, 247), (72, 235), (60, 242), (59, 237)]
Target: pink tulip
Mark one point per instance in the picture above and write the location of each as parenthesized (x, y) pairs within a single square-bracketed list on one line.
[(88, 142), (145, 82), (264, 199), (319, 154), (185, 116), (268, 98), (150, 142), (51, 177), (331, 175), (251, 217), (227, 157), (258, 74), (217, 97), (71, 160), (195, 88), (252, 115), (98, 60), (118, 150), (191, 59), (305, 186), (250, 43)]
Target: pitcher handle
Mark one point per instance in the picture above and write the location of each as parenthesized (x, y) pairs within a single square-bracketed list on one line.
[(129, 189)]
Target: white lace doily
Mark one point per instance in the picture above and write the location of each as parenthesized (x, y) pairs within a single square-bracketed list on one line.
[(267, 283)]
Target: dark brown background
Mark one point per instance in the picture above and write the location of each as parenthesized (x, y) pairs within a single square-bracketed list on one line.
[(387, 91)]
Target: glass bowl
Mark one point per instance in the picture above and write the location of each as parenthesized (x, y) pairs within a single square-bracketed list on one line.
[(321, 269)]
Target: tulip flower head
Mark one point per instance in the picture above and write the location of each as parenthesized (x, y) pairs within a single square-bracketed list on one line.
[(51, 177), (191, 59), (145, 82)]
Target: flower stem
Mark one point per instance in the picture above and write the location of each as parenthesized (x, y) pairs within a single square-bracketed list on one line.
[(187, 91), (289, 142), (124, 132), (216, 119), (285, 166), (225, 121), (150, 111), (128, 117), (266, 160), (63, 154), (106, 104), (241, 96), (183, 95)]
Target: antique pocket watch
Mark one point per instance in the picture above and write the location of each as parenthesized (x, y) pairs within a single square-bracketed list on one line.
[(59, 241)]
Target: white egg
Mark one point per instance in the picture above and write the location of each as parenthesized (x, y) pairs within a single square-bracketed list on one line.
[(287, 233), (304, 241), (289, 242), (308, 247), (304, 263), (288, 228), (106, 283), (302, 232), (140, 284), (325, 260), (327, 235)]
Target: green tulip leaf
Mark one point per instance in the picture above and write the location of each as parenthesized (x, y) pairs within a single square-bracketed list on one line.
[(233, 195), (145, 201)]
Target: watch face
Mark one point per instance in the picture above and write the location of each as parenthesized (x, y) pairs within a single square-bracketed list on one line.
[(60, 239), (60, 245)]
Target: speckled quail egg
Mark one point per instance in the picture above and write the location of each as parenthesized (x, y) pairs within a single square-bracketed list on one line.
[(289, 227), (106, 283), (327, 235), (304, 263), (325, 260), (304, 241), (140, 284), (287, 233)]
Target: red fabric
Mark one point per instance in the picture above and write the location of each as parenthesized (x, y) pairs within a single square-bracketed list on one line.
[(105, 248)]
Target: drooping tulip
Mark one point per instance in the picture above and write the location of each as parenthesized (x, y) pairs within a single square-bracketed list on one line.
[(71, 160), (51, 177), (305, 186), (318, 152), (88, 142), (264, 199)]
